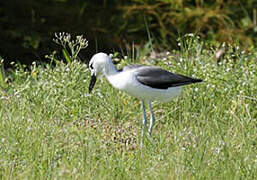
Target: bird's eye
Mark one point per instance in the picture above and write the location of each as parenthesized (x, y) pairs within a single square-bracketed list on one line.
[(91, 66)]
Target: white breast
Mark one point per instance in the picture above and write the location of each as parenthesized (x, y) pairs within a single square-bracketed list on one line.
[(126, 81)]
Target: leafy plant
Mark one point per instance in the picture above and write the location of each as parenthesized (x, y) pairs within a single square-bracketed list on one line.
[(224, 21), (71, 48)]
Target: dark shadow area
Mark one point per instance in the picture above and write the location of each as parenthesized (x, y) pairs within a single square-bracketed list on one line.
[(27, 27)]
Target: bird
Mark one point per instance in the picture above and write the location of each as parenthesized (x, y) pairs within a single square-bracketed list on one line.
[(147, 83)]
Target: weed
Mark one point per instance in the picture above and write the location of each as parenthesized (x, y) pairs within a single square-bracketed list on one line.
[(71, 48)]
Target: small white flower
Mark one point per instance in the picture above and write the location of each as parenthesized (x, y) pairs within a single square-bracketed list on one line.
[(246, 158), (217, 150), (183, 148), (221, 143)]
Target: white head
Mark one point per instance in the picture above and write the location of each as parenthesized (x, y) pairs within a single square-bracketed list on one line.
[(99, 64)]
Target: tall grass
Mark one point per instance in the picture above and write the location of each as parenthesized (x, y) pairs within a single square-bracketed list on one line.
[(2, 74), (51, 128)]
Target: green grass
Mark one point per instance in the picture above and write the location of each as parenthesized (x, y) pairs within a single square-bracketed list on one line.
[(51, 128)]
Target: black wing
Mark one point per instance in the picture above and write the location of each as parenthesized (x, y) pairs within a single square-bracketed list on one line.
[(156, 77)]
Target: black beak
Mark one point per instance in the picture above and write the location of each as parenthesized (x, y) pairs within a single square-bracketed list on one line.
[(92, 83)]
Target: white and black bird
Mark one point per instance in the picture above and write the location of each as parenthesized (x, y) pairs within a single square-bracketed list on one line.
[(148, 83)]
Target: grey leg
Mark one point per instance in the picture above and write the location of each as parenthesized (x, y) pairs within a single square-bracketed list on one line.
[(152, 120), (144, 122)]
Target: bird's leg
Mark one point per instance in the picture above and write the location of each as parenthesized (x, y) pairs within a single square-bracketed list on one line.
[(152, 120), (144, 123)]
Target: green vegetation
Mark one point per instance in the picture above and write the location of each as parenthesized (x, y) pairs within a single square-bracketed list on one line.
[(224, 21), (2, 74), (51, 128)]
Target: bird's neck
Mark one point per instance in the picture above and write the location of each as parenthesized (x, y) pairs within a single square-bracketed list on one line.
[(110, 70)]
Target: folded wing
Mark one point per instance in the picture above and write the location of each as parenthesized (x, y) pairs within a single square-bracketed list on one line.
[(156, 77)]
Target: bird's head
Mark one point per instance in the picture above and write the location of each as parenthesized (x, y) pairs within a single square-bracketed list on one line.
[(98, 65)]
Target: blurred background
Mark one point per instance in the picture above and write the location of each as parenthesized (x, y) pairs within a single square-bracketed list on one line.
[(27, 27)]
